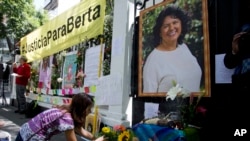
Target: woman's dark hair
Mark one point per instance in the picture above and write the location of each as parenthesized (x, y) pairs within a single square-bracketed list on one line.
[(244, 41), (46, 60), (244, 45), (79, 104), (172, 11)]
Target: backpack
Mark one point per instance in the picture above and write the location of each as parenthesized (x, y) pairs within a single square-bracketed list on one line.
[(32, 109)]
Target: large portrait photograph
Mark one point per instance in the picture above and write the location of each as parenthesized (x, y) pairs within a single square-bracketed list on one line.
[(174, 48)]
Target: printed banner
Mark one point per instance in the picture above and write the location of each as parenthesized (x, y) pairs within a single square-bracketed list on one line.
[(69, 70), (86, 19)]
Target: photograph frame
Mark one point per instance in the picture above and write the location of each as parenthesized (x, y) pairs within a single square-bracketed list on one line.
[(205, 86)]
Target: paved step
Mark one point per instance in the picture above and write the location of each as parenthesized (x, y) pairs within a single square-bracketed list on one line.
[(12, 120)]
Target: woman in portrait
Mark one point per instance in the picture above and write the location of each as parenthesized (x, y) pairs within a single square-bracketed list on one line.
[(45, 73), (171, 60)]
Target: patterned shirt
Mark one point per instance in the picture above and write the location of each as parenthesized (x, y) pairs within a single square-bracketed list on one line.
[(46, 124)]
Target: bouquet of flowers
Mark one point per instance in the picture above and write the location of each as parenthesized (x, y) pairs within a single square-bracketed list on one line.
[(117, 133), (191, 113)]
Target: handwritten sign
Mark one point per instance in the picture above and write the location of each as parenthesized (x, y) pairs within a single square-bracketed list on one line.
[(109, 90)]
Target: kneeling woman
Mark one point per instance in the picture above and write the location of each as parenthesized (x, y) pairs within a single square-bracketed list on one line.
[(69, 119)]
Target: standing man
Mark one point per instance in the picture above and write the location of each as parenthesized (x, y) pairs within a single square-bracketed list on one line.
[(22, 77)]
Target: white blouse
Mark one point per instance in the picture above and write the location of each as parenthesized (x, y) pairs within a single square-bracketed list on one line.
[(163, 67)]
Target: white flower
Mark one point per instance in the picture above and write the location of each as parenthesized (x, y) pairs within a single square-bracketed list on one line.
[(59, 80), (172, 93), (64, 53), (52, 65), (108, 18), (176, 90)]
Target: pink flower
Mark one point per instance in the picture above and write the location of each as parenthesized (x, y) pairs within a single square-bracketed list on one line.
[(119, 128), (201, 110)]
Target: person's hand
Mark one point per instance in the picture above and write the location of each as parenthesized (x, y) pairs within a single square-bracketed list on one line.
[(2, 124), (102, 138), (235, 47), (18, 75), (14, 65)]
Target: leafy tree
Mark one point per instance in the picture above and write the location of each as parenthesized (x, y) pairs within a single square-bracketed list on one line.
[(22, 18)]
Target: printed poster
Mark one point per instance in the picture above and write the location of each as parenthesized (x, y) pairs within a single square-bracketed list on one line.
[(45, 73), (69, 70)]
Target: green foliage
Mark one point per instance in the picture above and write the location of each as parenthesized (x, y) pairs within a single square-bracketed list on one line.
[(23, 18), (108, 32), (81, 56), (56, 70), (193, 113), (34, 76), (55, 75), (80, 59), (192, 134)]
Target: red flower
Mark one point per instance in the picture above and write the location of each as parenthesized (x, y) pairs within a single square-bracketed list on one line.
[(119, 128), (201, 110)]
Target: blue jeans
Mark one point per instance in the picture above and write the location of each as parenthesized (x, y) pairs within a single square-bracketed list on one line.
[(18, 137)]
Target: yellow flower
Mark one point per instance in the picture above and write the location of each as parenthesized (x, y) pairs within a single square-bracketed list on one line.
[(124, 136), (105, 130)]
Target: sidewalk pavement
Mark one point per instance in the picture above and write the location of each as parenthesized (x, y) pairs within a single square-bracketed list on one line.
[(13, 121)]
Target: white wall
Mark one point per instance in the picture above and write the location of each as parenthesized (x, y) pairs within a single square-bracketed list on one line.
[(121, 63), (64, 5)]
